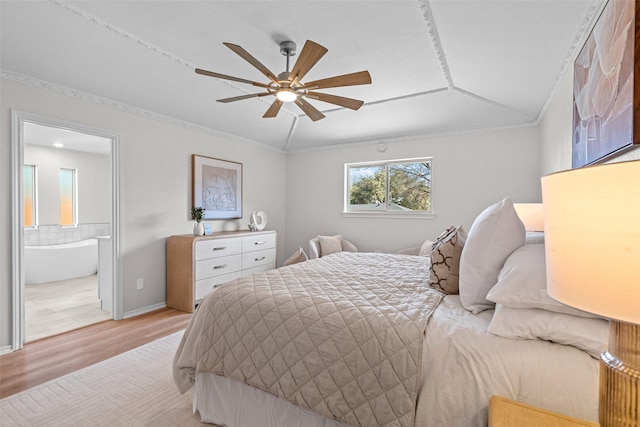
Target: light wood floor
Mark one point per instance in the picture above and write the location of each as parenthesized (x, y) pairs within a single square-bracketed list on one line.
[(49, 358)]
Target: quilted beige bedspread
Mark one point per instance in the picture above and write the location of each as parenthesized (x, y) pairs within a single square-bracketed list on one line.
[(341, 335)]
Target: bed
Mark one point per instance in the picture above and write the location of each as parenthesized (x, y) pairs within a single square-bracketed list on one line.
[(371, 339)]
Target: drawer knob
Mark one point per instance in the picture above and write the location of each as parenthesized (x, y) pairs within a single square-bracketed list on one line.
[(260, 259), (259, 243), (220, 248), (216, 267)]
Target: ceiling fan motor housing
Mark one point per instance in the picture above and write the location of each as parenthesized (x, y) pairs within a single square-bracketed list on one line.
[(288, 48), (283, 76)]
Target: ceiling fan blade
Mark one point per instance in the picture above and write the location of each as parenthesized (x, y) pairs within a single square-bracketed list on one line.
[(251, 60), (309, 56), (239, 98), (274, 109), (224, 76), (353, 104), (353, 79), (309, 109)]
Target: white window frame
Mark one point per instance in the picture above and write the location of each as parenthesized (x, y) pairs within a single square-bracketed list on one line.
[(386, 213)]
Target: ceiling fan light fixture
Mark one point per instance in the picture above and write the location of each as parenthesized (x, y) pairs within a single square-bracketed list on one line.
[(286, 95)]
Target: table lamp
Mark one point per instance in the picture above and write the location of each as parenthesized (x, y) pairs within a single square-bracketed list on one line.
[(531, 215), (592, 243)]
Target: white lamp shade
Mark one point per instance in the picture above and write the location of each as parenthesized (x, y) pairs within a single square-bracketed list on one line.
[(531, 215), (592, 239)]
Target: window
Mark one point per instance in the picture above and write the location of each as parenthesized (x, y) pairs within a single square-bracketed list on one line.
[(392, 187), (30, 196), (68, 197)]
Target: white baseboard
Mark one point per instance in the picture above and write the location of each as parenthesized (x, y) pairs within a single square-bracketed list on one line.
[(144, 310), (6, 349)]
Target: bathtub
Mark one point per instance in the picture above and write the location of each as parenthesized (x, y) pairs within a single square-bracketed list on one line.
[(60, 262)]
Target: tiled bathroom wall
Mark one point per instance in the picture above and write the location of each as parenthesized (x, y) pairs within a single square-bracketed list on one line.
[(56, 235)]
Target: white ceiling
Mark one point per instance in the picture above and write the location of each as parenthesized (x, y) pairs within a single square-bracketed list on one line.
[(438, 66), (65, 139)]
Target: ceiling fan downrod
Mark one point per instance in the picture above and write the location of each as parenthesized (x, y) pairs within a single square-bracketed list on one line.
[(288, 49), (287, 92)]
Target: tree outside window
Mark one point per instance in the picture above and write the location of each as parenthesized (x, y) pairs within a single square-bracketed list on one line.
[(393, 186)]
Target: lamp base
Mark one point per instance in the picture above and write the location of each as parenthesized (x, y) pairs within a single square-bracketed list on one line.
[(620, 377)]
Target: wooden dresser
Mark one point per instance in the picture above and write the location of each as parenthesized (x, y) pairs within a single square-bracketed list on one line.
[(196, 265)]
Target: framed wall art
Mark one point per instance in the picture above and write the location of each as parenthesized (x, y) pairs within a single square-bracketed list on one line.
[(605, 99), (217, 187)]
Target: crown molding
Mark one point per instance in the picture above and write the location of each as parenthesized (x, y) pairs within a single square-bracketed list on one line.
[(148, 45), (415, 137), (119, 106), (435, 42), (587, 23)]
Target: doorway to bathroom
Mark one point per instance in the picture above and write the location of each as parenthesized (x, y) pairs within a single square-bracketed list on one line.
[(65, 220), (67, 206)]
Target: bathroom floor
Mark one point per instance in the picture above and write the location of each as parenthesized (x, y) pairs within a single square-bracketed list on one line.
[(56, 307)]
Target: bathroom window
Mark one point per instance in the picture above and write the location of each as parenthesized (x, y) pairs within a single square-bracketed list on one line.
[(68, 197), (393, 188), (30, 196)]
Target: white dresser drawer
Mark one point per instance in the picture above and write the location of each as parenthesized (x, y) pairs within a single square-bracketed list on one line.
[(218, 266), (204, 286), (258, 242), (253, 259), (217, 248)]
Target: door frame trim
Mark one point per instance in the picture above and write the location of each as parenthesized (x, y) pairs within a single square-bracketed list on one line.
[(18, 118)]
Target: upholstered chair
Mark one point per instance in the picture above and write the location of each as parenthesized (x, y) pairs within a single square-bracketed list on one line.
[(331, 244)]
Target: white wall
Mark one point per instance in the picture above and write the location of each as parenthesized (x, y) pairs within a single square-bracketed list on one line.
[(555, 131), (469, 172), (94, 183), (156, 186)]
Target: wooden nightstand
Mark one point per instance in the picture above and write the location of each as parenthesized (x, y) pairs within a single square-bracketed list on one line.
[(508, 413)]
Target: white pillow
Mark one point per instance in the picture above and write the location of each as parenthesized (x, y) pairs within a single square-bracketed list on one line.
[(590, 335), (494, 234), (522, 283)]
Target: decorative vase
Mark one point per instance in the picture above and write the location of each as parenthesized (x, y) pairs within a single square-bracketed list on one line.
[(258, 221), (198, 229)]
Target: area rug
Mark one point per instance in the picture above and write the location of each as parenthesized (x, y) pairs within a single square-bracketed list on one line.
[(133, 389)]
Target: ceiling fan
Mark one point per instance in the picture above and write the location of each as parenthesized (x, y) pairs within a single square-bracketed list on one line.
[(288, 87)]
